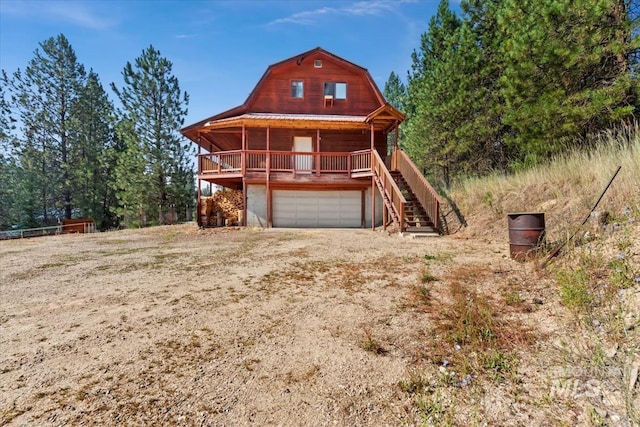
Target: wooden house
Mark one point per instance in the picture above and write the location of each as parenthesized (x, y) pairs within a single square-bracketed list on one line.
[(308, 148)]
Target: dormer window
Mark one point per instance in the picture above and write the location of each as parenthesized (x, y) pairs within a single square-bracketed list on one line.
[(297, 89), (335, 90)]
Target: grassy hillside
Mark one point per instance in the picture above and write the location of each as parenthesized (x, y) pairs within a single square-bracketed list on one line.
[(591, 356), (565, 189)]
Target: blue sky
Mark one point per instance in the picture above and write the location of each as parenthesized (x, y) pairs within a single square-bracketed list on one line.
[(219, 49)]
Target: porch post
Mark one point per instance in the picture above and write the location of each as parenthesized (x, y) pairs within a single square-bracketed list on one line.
[(268, 179), (373, 203), (318, 151), (268, 154), (395, 148), (243, 153), (199, 192), (363, 218), (244, 201), (269, 207), (244, 175), (373, 145)]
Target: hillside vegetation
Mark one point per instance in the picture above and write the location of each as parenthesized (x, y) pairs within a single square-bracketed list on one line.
[(565, 189), (590, 359)]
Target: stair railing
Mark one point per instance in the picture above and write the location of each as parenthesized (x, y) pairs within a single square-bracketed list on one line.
[(392, 195), (424, 192)]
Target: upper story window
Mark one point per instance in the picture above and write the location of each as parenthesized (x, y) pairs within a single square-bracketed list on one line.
[(336, 90), (297, 89)]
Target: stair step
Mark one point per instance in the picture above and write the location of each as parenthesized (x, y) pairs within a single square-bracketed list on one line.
[(421, 230)]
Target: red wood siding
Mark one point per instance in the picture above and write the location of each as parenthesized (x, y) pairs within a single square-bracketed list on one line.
[(274, 96), (330, 141)]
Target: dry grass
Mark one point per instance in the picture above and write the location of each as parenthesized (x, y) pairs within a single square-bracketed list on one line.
[(564, 189), (179, 326), (594, 358)]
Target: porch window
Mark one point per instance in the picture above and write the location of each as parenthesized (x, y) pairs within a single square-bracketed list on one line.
[(336, 90), (297, 90)]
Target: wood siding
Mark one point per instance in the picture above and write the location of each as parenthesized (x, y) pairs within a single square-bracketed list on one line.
[(274, 95), (330, 141)]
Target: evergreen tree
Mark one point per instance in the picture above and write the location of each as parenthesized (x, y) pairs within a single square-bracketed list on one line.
[(154, 173), (95, 154), (395, 92), (8, 214), (428, 130), (480, 64), (567, 71), (44, 95)]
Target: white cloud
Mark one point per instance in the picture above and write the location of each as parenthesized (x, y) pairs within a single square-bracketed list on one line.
[(360, 8), (75, 12)]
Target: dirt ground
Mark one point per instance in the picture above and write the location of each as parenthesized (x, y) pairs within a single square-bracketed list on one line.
[(179, 326)]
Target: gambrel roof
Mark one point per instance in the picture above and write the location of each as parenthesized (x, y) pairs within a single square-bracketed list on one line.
[(375, 112)]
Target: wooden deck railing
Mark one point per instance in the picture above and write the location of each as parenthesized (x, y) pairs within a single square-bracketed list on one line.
[(389, 187), (220, 162), (232, 162), (419, 185)]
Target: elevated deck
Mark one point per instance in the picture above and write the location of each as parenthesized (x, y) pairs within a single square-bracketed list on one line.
[(260, 165)]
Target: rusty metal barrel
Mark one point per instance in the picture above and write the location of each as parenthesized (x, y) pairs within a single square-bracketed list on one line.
[(526, 234)]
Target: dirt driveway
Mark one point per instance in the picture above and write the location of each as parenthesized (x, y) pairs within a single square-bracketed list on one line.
[(178, 326)]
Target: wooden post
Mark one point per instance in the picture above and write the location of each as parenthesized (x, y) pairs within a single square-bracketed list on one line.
[(384, 216), (373, 203), (268, 154), (395, 148), (373, 139), (317, 151), (244, 201), (269, 208), (363, 203), (268, 179), (243, 152), (199, 191)]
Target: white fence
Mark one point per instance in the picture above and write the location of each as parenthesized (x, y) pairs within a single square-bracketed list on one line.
[(84, 227)]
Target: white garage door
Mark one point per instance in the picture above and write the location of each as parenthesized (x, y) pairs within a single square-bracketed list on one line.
[(316, 208)]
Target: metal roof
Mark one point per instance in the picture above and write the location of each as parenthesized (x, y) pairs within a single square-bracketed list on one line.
[(290, 117)]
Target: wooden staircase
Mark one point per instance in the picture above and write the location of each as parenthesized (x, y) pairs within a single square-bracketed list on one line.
[(409, 200), (415, 216)]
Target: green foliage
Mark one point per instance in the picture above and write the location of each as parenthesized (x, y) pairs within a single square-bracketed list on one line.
[(426, 276), (44, 96), (566, 71), (511, 83), (499, 364), (59, 161), (95, 154), (8, 213), (154, 173), (574, 288), (395, 93)]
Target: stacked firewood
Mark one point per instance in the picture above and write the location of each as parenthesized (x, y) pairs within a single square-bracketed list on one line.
[(227, 202)]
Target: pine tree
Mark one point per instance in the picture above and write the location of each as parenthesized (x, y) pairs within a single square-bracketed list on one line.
[(154, 173), (428, 131), (480, 66), (567, 71), (395, 92), (94, 154), (8, 169), (45, 94)]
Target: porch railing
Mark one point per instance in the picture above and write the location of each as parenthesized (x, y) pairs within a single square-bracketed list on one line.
[(424, 192), (237, 162)]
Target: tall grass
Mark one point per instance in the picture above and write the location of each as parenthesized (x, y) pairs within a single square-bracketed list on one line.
[(565, 188), (598, 281)]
